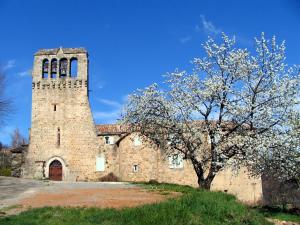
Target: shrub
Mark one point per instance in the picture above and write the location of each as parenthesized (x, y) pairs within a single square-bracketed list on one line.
[(109, 178), (153, 181), (5, 172), (277, 212)]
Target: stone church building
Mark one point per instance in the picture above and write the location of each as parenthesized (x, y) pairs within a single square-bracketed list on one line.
[(66, 145)]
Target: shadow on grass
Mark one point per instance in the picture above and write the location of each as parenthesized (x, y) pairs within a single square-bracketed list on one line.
[(276, 212)]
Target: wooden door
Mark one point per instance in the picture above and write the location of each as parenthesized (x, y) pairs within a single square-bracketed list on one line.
[(55, 171)]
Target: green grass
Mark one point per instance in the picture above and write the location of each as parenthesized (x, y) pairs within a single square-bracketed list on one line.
[(280, 214), (285, 217), (193, 207), (5, 172)]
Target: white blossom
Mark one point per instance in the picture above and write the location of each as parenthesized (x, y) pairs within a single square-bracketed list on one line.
[(242, 101)]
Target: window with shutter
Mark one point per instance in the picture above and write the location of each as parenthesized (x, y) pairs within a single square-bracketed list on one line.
[(175, 161), (100, 163), (137, 141)]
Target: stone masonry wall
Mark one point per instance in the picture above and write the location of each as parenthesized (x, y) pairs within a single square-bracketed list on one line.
[(154, 165), (110, 152), (144, 157)]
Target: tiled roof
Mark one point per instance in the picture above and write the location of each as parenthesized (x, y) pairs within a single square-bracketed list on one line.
[(111, 129), (53, 51), (105, 129)]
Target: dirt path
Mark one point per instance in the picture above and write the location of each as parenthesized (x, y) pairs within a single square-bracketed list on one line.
[(20, 194), (279, 222), (103, 198)]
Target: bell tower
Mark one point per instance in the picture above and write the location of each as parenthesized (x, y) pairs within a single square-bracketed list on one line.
[(63, 66), (62, 132)]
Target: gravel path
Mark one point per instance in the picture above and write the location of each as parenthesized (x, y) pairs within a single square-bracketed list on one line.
[(12, 190), (17, 194)]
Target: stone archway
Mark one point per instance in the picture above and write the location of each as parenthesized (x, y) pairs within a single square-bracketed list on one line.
[(55, 170), (64, 167)]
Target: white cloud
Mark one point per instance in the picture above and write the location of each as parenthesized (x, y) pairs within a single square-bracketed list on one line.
[(112, 115), (24, 73), (9, 64), (110, 102), (107, 116), (208, 27), (100, 85), (186, 39)]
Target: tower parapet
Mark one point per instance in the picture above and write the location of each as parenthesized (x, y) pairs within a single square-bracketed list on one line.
[(60, 84)]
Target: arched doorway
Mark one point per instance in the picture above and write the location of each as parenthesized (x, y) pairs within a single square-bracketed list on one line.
[(55, 170)]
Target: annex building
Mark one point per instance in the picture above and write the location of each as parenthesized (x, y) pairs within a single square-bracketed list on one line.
[(66, 145)]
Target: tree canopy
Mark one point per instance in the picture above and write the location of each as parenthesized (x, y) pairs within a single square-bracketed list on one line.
[(233, 109)]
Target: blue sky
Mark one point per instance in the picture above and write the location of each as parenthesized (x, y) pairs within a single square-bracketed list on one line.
[(131, 43)]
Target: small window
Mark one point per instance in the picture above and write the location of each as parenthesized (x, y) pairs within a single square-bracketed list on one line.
[(106, 140), (45, 68), (73, 67), (58, 137), (54, 107), (100, 163), (63, 67), (175, 161), (137, 141), (53, 68), (135, 168), (109, 140)]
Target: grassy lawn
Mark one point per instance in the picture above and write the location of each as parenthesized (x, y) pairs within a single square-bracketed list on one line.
[(278, 213), (193, 207)]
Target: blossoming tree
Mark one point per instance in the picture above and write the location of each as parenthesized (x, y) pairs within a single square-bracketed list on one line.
[(231, 110)]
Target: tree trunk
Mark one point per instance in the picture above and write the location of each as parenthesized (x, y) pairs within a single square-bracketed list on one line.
[(208, 180), (201, 180), (199, 171), (204, 183)]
